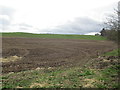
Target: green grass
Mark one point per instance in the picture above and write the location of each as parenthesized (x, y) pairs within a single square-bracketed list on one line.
[(109, 76), (63, 36), (69, 78), (74, 77), (113, 53)]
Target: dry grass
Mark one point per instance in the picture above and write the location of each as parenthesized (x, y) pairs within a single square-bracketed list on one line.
[(89, 83), (33, 85), (9, 59)]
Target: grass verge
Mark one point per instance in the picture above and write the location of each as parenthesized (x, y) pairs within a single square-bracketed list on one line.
[(47, 78), (75, 77), (115, 52)]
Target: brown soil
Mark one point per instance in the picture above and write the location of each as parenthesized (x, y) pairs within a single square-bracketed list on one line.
[(38, 52)]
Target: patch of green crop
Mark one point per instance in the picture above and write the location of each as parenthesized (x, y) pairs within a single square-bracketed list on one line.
[(62, 36)]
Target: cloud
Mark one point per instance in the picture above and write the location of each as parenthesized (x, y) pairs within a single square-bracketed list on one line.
[(6, 25), (6, 14), (4, 22), (7, 11), (21, 27), (93, 33), (25, 25), (80, 25), (4, 19)]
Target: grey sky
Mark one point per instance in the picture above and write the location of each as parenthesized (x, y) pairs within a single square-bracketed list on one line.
[(54, 16), (81, 25)]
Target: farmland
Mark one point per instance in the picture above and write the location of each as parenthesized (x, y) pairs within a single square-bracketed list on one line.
[(58, 36), (47, 58)]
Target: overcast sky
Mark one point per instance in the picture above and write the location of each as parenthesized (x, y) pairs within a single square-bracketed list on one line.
[(54, 16)]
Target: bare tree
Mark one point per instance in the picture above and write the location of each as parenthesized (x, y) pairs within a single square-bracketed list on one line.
[(112, 21), (119, 15), (119, 26), (112, 26)]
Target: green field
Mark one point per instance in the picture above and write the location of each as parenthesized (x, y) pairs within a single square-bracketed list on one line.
[(62, 36)]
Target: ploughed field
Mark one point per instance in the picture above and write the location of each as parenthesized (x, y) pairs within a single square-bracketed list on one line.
[(31, 53)]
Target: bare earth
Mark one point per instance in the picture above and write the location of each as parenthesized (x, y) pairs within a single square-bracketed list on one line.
[(32, 53)]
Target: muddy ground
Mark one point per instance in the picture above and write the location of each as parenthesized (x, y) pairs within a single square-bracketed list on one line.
[(41, 52)]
